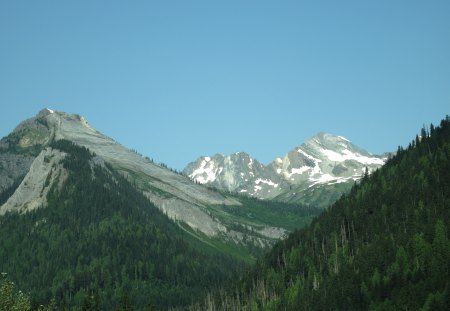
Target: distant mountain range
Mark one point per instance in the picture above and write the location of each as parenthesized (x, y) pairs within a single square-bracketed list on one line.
[(316, 172)]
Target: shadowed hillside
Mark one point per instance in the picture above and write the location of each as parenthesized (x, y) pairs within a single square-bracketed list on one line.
[(384, 246)]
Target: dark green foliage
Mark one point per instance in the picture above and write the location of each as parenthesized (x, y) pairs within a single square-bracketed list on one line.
[(254, 214), (273, 213), (5, 194), (322, 196), (10, 297), (101, 245), (383, 246)]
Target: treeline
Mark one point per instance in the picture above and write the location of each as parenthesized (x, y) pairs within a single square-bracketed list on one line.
[(383, 246), (101, 245)]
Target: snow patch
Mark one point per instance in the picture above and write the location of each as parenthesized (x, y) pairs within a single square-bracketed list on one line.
[(330, 180), (298, 171), (343, 138), (207, 172), (266, 181), (312, 170), (307, 155), (348, 155), (325, 178)]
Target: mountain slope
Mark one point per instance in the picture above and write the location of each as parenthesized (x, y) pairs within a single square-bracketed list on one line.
[(384, 246), (323, 167), (24, 153), (99, 235)]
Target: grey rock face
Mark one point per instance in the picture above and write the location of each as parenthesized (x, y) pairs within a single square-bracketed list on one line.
[(32, 192), (19, 149), (225, 172), (12, 167), (321, 162)]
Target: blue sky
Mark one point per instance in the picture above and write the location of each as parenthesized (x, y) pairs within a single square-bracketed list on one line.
[(180, 79)]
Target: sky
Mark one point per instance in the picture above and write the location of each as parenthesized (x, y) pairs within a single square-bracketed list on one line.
[(176, 80)]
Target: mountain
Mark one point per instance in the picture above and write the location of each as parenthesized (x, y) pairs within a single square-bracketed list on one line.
[(25, 157), (99, 240), (316, 172), (165, 188), (229, 173), (92, 224), (383, 246)]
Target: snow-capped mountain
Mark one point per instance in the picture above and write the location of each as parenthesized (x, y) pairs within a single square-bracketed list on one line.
[(325, 162)]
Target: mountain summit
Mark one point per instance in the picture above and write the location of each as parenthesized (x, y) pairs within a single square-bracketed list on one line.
[(325, 164)]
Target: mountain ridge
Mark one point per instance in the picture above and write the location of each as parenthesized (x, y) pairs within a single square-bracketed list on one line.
[(320, 162), (24, 155)]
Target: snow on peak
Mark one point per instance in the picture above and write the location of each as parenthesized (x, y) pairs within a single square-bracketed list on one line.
[(44, 112), (328, 179), (307, 155), (319, 160), (298, 171), (343, 138), (266, 181), (349, 155), (250, 164), (207, 171)]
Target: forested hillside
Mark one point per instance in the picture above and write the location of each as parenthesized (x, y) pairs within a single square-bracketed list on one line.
[(221, 219), (100, 244), (383, 246)]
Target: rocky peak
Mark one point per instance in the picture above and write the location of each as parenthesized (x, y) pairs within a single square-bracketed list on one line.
[(44, 112), (225, 172), (327, 141)]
